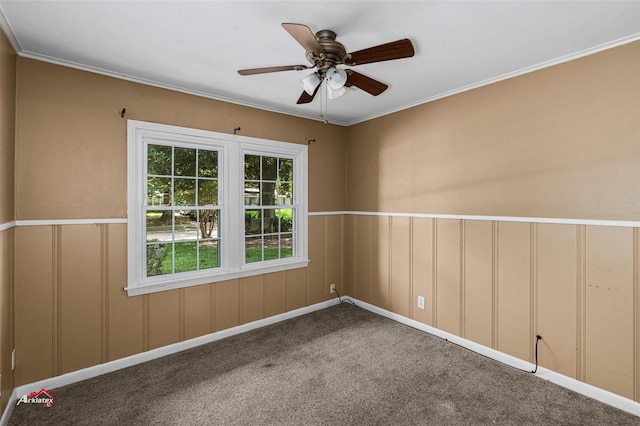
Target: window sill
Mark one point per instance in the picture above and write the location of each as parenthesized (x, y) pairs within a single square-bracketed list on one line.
[(172, 282)]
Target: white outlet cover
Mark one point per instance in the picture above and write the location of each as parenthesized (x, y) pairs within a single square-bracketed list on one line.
[(421, 302)]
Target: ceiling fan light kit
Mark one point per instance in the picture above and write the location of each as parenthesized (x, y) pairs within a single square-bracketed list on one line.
[(336, 78), (335, 93), (325, 53), (310, 82)]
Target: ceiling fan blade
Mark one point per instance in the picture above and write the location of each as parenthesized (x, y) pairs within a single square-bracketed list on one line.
[(385, 52), (368, 84), (304, 36), (305, 98), (252, 71)]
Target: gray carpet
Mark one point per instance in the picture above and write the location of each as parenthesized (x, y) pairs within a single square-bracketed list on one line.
[(339, 366)]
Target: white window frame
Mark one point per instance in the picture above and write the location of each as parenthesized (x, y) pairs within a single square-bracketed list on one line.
[(231, 202)]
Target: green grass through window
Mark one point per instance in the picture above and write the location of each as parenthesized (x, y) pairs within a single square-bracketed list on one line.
[(186, 257)]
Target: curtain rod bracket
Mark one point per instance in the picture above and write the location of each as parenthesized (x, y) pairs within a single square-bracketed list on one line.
[(122, 112), (310, 141), (236, 130)]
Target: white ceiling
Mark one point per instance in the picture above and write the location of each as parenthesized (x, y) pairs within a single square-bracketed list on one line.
[(197, 47)]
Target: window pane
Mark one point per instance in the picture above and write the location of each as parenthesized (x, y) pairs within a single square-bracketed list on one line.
[(269, 168), (158, 191), (253, 249), (209, 255), (218, 219), (252, 167), (269, 221), (251, 193), (284, 193), (285, 220), (207, 192), (285, 172), (158, 259), (186, 227), (252, 221), (286, 245), (184, 192), (159, 160), (208, 164), (208, 223), (271, 247), (268, 193), (186, 257), (184, 162), (159, 225)]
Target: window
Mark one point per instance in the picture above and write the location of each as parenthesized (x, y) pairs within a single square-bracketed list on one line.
[(206, 207)]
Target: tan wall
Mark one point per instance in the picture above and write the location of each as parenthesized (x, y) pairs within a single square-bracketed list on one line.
[(7, 161), (70, 308), (71, 150), (563, 142), (7, 128), (560, 142)]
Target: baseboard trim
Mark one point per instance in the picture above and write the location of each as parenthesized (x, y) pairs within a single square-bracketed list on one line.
[(119, 364), (610, 398), (590, 391)]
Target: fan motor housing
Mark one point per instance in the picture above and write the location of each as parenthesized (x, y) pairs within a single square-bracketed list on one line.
[(334, 52)]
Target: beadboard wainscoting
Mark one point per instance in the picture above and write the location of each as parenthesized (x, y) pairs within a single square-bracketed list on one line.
[(71, 311), (502, 282), (497, 282)]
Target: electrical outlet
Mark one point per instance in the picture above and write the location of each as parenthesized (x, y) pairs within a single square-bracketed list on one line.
[(421, 302), (332, 288)]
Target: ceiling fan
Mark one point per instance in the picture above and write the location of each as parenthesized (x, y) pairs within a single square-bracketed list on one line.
[(325, 54)]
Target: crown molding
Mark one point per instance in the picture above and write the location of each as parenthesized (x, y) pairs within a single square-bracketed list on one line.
[(153, 83), (546, 64), (6, 27), (8, 31)]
